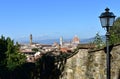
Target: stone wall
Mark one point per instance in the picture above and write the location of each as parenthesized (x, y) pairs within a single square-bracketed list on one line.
[(91, 64)]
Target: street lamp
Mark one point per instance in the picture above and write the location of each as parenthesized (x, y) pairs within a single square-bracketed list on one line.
[(107, 19)]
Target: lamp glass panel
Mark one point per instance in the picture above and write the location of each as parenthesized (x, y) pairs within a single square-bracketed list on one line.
[(111, 21), (103, 22)]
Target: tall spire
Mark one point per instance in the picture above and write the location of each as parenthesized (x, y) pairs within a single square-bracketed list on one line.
[(61, 41), (30, 39)]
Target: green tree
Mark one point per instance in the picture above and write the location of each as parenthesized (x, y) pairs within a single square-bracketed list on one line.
[(115, 32), (3, 49), (35, 49), (9, 54), (98, 41), (14, 58)]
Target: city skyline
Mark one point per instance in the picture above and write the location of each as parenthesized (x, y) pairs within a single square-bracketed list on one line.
[(53, 18)]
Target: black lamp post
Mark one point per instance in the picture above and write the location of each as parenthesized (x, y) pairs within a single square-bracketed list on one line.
[(107, 19)]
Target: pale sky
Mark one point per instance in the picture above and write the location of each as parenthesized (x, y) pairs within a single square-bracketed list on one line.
[(54, 18)]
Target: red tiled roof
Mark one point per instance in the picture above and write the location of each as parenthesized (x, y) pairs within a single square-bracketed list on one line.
[(64, 50)]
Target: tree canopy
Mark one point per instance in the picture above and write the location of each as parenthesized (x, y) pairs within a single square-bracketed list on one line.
[(98, 41), (115, 32), (10, 56)]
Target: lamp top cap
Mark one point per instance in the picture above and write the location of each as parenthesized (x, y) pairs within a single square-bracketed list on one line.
[(107, 9), (107, 14)]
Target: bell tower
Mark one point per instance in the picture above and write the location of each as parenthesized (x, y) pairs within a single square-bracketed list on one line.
[(61, 41), (30, 39)]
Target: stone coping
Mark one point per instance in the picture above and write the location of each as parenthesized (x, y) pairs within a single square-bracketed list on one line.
[(104, 48)]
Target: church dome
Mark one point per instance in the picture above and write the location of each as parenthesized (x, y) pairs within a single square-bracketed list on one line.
[(76, 39)]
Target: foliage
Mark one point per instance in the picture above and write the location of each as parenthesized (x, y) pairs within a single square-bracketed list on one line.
[(98, 41), (115, 32), (15, 68), (35, 49), (9, 54)]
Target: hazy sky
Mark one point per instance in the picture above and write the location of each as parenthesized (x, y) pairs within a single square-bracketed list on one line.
[(54, 18)]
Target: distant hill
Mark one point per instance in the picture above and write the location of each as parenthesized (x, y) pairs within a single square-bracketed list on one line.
[(44, 41), (91, 39), (51, 41)]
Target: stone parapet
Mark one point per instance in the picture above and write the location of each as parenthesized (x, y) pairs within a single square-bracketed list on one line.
[(88, 64)]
